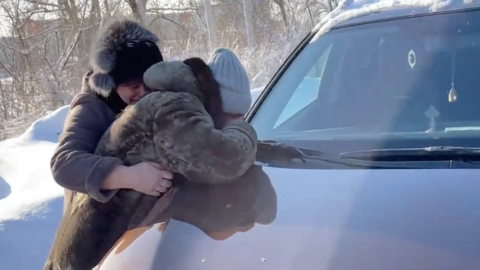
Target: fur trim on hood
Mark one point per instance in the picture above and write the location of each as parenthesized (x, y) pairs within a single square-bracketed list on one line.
[(113, 34)]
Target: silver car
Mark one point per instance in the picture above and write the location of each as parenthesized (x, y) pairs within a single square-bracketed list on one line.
[(369, 156)]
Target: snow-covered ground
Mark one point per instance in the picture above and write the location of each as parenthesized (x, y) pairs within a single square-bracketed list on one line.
[(30, 201)]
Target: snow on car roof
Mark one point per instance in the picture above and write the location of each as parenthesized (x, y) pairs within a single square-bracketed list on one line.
[(349, 10)]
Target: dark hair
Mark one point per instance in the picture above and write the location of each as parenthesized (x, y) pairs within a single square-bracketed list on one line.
[(210, 89)]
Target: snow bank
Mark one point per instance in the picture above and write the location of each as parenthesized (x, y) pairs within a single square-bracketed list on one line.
[(256, 93), (30, 201), (47, 128)]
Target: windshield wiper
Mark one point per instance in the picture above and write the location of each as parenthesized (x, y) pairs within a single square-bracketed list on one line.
[(290, 156), (432, 153)]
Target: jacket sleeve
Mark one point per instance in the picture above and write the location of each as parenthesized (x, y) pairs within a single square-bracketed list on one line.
[(182, 128), (73, 165)]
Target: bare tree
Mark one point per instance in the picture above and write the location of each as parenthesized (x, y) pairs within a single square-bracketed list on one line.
[(139, 9), (45, 47)]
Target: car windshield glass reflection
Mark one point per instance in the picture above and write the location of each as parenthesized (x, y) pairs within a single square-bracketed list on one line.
[(391, 83)]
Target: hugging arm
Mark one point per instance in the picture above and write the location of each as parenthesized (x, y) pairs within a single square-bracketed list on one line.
[(184, 131), (73, 164)]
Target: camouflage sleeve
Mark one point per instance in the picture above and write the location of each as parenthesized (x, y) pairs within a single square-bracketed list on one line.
[(184, 131)]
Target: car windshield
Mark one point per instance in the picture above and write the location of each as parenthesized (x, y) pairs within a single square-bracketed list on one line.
[(395, 83)]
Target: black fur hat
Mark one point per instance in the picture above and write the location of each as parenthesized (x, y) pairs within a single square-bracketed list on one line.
[(123, 51)]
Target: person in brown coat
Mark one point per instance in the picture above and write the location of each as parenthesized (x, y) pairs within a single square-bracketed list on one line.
[(177, 126), (124, 50)]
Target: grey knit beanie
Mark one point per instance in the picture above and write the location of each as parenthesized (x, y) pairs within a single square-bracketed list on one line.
[(233, 80)]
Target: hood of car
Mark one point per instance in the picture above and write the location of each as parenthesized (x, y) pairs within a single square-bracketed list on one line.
[(283, 219)]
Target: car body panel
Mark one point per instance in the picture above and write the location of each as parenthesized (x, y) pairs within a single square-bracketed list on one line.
[(333, 219), (125, 254)]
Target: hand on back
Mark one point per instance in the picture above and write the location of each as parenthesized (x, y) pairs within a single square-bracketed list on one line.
[(150, 178)]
